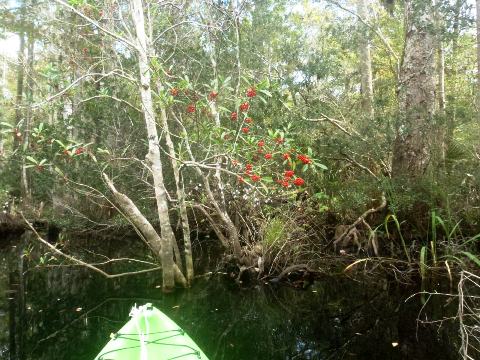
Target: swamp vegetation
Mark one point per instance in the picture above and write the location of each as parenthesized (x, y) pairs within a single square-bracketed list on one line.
[(237, 161)]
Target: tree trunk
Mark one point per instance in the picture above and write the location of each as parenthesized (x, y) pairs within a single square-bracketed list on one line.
[(478, 59), (180, 198), (413, 143), (143, 226), (167, 236), (19, 91), (232, 232), (28, 115), (365, 62), (440, 128)]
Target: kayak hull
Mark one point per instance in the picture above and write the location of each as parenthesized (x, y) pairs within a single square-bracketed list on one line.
[(150, 334)]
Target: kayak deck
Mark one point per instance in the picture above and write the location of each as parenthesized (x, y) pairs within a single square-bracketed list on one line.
[(150, 334)]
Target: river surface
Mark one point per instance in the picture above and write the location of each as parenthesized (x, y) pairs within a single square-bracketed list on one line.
[(60, 313)]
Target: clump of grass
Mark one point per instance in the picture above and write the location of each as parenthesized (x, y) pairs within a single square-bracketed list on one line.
[(397, 224), (274, 233)]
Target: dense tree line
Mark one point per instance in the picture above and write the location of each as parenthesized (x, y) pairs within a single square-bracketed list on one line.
[(269, 123)]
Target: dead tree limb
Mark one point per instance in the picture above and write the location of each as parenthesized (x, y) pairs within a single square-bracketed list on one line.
[(360, 220), (80, 262)]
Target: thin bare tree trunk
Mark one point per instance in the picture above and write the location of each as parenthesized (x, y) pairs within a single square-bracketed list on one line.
[(412, 147), (440, 129), (232, 232), (180, 197), (365, 62), (167, 235), (478, 59), (216, 114), (20, 80), (143, 225), (28, 115)]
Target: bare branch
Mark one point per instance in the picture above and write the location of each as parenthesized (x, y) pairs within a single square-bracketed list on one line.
[(97, 25), (80, 262)]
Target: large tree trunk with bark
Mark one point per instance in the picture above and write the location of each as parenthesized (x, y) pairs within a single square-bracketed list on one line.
[(167, 235), (414, 138), (365, 62)]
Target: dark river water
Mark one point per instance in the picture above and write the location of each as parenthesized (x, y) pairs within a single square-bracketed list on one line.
[(59, 313)]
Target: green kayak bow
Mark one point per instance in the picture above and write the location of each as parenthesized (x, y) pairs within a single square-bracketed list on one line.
[(148, 335)]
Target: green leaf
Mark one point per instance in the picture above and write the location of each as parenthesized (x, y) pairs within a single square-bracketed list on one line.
[(60, 143), (223, 109), (58, 171), (321, 166), (262, 99), (3, 123), (423, 261), (472, 257), (266, 92), (103, 151), (31, 159)]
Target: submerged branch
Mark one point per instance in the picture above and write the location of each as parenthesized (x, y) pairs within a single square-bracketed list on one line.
[(80, 262)]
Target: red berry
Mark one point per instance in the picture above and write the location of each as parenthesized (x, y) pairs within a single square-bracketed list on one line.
[(174, 91), (255, 178), (248, 120), (251, 92), (79, 151), (249, 166), (286, 156), (244, 107), (233, 116), (213, 95), (299, 181), (289, 173), (268, 156), (304, 159), (279, 140), (191, 108), (245, 130), (261, 143)]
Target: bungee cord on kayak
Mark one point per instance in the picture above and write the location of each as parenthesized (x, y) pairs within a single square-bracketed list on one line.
[(150, 334)]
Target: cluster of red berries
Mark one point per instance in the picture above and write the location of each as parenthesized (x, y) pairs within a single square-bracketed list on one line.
[(248, 172), (287, 177), (251, 92), (304, 159), (79, 151), (245, 106)]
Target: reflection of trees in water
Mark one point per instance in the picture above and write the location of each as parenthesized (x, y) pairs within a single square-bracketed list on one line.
[(12, 303), (6, 300), (333, 319)]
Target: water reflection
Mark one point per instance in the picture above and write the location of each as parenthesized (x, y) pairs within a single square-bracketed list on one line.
[(69, 312)]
